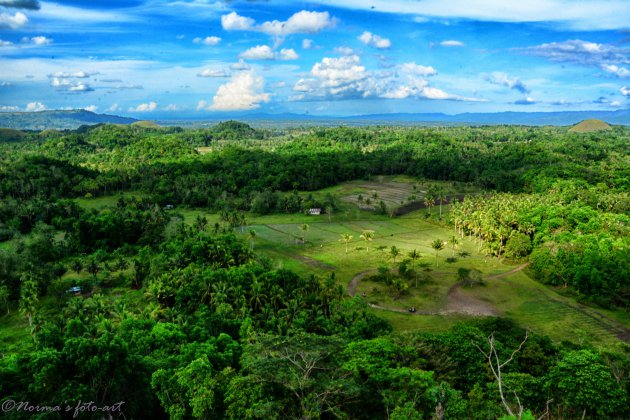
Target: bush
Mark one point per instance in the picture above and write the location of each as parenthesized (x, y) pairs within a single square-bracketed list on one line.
[(518, 245)]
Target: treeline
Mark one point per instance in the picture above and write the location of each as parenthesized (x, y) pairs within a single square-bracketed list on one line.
[(574, 234), (506, 159)]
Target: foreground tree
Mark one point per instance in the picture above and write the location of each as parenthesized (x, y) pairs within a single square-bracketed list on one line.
[(496, 367), (585, 387), (28, 298)]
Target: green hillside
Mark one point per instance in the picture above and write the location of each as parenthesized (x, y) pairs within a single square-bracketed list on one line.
[(63, 120), (589, 126)]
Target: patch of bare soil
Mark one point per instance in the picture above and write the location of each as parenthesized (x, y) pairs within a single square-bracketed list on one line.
[(460, 303)]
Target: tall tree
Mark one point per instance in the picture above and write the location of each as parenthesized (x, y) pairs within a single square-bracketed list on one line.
[(454, 243), (414, 255), (367, 236), (345, 238), (28, 297), (438, 245), (394, 252)]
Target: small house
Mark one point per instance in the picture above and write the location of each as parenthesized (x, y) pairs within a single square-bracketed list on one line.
[(315, 211)]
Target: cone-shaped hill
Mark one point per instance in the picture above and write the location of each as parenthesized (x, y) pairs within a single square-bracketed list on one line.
[(588, 126)]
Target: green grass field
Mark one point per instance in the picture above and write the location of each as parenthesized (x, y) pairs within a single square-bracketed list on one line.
[(319, 251)]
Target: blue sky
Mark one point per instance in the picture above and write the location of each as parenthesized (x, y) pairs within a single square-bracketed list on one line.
[(202, 58)]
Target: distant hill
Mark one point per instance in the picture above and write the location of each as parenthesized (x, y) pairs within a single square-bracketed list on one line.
[(10, 134), (145, 124), (61, 120), (588, 126)]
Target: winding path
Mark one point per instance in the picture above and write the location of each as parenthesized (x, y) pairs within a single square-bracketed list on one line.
[(456, 303)]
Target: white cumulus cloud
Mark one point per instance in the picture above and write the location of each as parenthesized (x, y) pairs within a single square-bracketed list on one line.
[(67, 85), (503, 79), (209, 40), (144, 107), (259, 52), (288, 54), (41, 40), (582, 52), (307, 44), (234, 22), (625, 90), (374, 40), (77, 75), (244, 91), (618, 71), (91, 108), (302, 22), (345, 77), (8, 21), (417, 69), (35, 107)]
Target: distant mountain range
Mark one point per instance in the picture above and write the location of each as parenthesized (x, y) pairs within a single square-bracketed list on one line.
[(565, 118), (75, 118), (59, 119)]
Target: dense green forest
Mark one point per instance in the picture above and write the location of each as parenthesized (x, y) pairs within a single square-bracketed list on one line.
[(186, 320)]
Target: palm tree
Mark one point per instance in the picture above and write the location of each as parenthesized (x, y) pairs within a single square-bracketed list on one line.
[(394, 252), (252, 237), (414, 255), (367, 236), (258, 298), (438, 245), (454, 242), (345, 238), (429, 201)]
